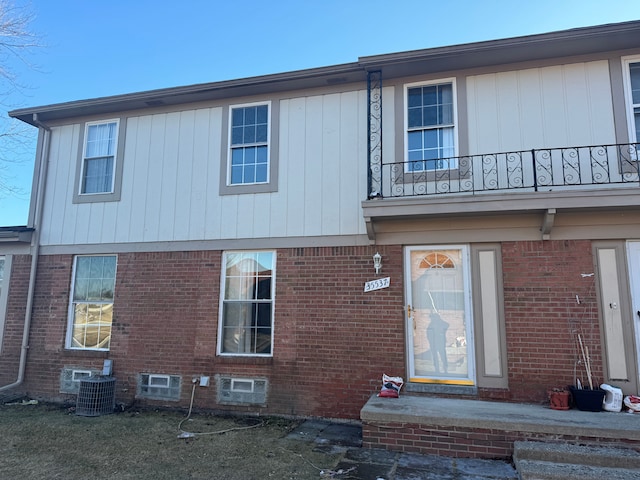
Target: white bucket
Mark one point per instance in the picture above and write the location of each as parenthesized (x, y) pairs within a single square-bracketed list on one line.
[(613, 399)]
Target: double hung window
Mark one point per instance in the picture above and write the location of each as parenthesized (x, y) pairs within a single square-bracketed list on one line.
[(247, 293), (430, 121), (249, 145), (99, 158), (633, 99), (91, 305)]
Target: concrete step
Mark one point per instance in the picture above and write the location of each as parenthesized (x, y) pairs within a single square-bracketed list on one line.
[(541, 470), (577, 454)]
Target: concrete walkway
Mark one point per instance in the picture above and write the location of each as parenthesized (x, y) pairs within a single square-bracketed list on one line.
[(357, 463)]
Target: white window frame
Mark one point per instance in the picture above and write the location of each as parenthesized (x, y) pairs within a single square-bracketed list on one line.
[(224, 301), (4, 294), (628, 98), (231, 147), (237, 385), (72, 304), (78, 375), (88, 125), (441, 81)]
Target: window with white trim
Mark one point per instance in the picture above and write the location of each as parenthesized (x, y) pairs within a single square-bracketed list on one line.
[(249, 133), (91, 305), (430, 126), (247, 300), (632, 90), (99, 158)]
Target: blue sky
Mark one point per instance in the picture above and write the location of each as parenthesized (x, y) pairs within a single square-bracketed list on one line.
[(95, 49)]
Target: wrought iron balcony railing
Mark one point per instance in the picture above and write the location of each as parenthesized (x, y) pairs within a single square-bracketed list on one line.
[(529, 170)]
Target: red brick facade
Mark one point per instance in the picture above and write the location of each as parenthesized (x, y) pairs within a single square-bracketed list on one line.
[(332, 341)]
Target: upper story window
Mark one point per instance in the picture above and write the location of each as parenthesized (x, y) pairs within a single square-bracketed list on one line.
[(247, 297), (91, 305), (249, 144), (430, 126), (99, 158), (633, 97)]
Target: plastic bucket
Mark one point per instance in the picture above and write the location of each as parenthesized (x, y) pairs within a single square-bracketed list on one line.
[(612, 399)]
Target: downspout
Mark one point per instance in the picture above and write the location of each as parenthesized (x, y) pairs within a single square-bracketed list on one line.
[(35, 250)]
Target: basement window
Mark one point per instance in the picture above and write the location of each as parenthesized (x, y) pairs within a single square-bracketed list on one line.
[(71, 377), (241, 391), (159, 386)]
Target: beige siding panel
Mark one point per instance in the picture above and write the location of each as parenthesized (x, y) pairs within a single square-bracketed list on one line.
[(558, 106), (199, 174), (313, 199), (183, 196), (295, 169), (508, 93), (332, 130), (230, 216), (351, 172), (600, 102), (490, 315), (57, 185), (140, 176), (123, 207), (153, 180), (212, 204), (279, 202), (168, 180)]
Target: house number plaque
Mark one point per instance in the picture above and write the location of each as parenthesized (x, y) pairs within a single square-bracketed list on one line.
[(377, 284)]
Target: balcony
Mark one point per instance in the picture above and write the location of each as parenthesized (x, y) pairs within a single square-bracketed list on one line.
[(576, 179), (540, 170)]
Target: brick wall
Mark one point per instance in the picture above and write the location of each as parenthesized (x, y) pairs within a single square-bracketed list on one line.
[(466, 442), (14, 321), (332, 341), (541, 281)]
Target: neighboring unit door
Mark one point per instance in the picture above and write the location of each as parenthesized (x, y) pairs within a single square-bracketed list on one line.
[(633, 253), (439, 315)]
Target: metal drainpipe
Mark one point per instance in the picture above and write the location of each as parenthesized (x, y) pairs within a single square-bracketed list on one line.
[(35, 243)]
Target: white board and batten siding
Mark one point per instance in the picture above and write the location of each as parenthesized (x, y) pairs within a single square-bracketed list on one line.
[(171, 178)]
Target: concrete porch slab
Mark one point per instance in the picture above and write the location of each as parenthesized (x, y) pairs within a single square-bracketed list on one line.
[(477, 428)]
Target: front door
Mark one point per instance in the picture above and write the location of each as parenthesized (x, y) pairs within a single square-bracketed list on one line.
[(439, 315)]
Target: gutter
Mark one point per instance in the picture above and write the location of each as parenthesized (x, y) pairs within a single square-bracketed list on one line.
[(35, 250)]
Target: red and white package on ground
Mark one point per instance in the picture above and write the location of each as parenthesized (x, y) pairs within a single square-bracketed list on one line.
[(632, 403), (390, 386)]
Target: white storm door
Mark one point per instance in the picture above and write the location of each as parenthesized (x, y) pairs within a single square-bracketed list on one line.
[(633, 253), (439, 315)]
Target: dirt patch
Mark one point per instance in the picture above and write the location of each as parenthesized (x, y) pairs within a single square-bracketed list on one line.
[(48, 441)]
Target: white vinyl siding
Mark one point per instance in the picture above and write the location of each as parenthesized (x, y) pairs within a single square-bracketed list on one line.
[(171, 173), (559, 106)]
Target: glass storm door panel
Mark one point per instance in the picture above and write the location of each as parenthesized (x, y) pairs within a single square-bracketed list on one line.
[(633, 253), (439, 323)]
